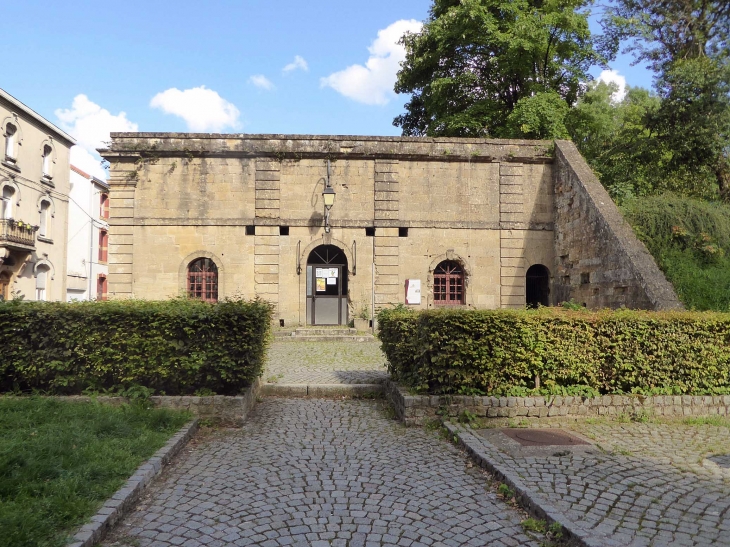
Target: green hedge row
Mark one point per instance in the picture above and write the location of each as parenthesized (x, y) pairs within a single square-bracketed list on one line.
[(513, 352), (175, 347)]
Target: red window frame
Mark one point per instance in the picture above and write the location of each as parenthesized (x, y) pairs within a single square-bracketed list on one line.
[(102, 287), (104, 206), (103, 246), (203, 280), (448, 284)]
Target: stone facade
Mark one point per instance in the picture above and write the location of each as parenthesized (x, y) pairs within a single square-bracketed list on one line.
[(253, 205), (34, 188)]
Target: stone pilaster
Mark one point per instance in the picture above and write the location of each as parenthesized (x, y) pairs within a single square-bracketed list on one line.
[(387, 284), (266, 240), (512, 241), (122, 187)]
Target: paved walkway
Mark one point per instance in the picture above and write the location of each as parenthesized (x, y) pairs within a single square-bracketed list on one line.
[(322, 473), (297, 362), (641, 484)]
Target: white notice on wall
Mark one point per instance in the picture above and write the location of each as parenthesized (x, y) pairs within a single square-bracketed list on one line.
[(413, 291), (327, 272)]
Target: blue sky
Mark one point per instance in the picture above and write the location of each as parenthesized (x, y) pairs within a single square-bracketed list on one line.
[(254, 66)]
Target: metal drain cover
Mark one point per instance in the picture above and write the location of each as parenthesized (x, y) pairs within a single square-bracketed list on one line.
[(542, 437), (723, 460)]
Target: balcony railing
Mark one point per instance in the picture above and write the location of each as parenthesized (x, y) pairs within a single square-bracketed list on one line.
[(18, 233)]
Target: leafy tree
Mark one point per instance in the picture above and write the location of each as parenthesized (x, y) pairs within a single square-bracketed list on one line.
[(686, 43), (476, 61), (614, 138)]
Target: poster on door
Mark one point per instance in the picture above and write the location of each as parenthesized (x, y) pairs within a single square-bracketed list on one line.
[(327, 272), (321, 284)]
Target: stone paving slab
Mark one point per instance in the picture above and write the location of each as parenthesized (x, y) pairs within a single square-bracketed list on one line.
[(325, 362), (323, 473), (639, 485)]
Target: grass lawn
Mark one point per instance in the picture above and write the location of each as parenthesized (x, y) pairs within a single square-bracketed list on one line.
[(59, 461)]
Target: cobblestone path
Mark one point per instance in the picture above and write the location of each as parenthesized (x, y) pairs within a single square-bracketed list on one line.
[(634, 488), (322, 473), (297, 362)]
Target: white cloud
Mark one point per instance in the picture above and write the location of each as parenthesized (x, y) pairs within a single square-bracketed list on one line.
[(202, 109), (88, 162), (262, 82), (612, 76), (298, 64), (373, 83), (90, 125)]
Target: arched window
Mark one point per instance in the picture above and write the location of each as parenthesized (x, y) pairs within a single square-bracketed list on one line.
[(40, 283), (537, 286), (7, 202), (448, 284), (103, 245), (47, 161), (104, 206), (45, 220), (101, 287), (203, 280), (10, 136), (4, 286)]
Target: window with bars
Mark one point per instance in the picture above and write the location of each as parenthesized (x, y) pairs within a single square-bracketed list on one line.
[(448, 284), (203, 280)]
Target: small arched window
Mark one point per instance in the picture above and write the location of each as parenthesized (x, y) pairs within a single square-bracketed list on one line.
[(103, 245), (104, 206), (41, 280), (45, 220), (448, 284), (10, 137), (203, 280), (8, 197), (47, 161)]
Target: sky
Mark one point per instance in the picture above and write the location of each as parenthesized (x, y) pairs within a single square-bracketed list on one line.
[(230, 66)]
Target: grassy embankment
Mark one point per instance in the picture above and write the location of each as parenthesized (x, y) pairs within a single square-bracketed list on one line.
[(690, 240), (60, 460)]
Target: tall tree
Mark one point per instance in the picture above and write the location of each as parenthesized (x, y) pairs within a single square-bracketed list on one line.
[(475, 61), (687, 44)]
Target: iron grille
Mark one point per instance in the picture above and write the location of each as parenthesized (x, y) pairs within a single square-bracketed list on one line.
[(203, 280), (448, 284)]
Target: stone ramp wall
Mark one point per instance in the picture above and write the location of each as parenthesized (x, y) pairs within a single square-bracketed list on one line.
[(600, 262)]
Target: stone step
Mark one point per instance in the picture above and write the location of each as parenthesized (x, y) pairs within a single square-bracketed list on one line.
[(323, 331), (360, 337), (322, 390)]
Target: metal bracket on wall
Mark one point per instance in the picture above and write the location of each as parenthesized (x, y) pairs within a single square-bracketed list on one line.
[(354, 257), (299, 257)]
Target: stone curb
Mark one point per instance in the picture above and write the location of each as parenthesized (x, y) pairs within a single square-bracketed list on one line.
[(123, 500), (320, 390), (531, 500)]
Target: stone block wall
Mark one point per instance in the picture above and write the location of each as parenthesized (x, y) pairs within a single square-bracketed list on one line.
[(600, 262)]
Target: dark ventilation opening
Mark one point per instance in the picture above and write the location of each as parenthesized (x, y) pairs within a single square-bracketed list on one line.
[(281, 322), (370, 231), (402, 232), (283, 230), (537, 284), (250, 230), (585, 278)]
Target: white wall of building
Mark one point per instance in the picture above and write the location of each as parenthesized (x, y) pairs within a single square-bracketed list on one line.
[(85, 223)]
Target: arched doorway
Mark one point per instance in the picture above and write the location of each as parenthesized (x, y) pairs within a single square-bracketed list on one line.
[(537, 286), (327, 286)]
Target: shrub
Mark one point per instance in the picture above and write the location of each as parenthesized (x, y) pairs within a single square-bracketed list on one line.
[(561, 351), (175, 347)]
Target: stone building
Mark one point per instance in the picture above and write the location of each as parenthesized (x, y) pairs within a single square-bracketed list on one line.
[(34, 186), (419, 221), (88, 237)]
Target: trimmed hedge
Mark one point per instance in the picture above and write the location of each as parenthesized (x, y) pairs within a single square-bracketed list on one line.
[(176, 347), (506, 352)]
